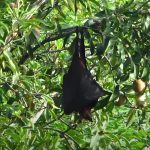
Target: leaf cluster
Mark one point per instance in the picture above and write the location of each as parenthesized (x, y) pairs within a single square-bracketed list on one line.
[(36, 46)]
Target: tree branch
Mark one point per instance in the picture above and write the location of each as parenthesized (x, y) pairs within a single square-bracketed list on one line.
[(52, 37)]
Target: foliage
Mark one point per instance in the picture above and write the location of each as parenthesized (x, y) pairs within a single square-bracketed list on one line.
[(36, 44)]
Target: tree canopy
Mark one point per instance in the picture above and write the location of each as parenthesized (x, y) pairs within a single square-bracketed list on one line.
[(37, 40)]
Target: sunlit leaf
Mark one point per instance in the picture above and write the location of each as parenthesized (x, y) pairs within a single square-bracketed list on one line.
[(13, 66)]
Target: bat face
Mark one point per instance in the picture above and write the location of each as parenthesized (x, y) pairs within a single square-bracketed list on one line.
[(86, 114), (80, 90)]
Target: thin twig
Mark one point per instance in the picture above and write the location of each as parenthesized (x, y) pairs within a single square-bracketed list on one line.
[(58, 118), (52, 51), (64, 134)]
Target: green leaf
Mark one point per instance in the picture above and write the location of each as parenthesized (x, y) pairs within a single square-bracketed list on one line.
[(15, 78), (72, 46), (92, 47), (52, 2), (12, 64), (124, 77), (2, 42), (4, 26), (83, 3), (127, 88), (90, 41), (66, 39), (110, 106), (71, 4), (131, 117), (102, 103), (117, 90), (2, 33), (133, 66), (11, 100), (75, 7), (100, 49), (145, 71), (95, 141)]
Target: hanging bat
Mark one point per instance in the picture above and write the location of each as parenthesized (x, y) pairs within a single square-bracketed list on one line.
[(80, 90)]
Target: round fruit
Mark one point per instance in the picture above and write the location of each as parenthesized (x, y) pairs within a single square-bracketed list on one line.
[(140, 101), (139, 86), (121, 100)]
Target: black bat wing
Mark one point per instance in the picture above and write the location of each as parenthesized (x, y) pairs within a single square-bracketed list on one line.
[(89, 88)]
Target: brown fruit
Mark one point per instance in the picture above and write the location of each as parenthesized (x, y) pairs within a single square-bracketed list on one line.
[(140, 101), (121, 100), (13, 5), (14, 34), (139, 86)]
